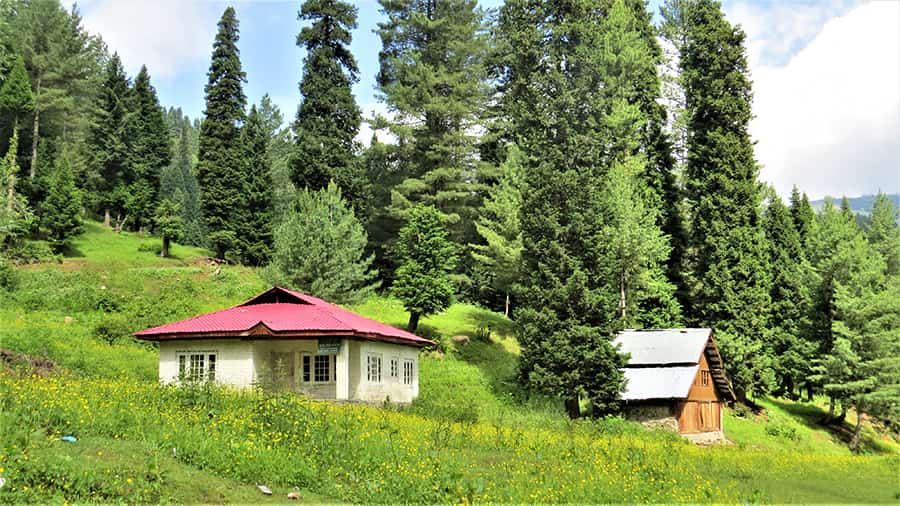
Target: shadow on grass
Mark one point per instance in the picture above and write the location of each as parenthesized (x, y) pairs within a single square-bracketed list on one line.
[(70, 251), (496, 362), (816, 418), (495, 322)]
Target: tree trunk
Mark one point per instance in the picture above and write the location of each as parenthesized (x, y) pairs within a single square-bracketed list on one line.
[(573, 408), (34, 139), (120, 222), (809, 393), (830, 408), (854, 441), (106, 218), (165, 248), (413, 321), (843, 416), (506, 307), (622, 295)]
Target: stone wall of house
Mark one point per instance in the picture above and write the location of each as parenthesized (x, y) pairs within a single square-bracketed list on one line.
[(653, 416)]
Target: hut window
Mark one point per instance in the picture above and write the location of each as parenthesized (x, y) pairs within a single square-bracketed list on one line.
[(373, 364), (704, 378)]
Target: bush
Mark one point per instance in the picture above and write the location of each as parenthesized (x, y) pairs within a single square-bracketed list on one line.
[(114, 328), (154, 247), (781, 428), (32, 252), (8, 277)]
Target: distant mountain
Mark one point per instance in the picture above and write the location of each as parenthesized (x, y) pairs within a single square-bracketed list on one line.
[(859, 205)]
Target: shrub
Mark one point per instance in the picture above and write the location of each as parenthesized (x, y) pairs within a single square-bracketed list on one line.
[(114, 328), (8, 277)]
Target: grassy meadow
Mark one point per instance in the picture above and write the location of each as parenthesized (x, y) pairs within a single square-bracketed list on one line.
[(472, 436)]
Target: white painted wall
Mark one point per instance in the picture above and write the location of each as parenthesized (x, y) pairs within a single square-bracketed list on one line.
[(388, 387), (244, 363), (234, 359)]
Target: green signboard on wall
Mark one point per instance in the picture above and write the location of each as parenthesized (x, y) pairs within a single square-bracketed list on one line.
[(329, 346)]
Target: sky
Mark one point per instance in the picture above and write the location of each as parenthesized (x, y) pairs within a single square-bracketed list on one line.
[(826, 75)]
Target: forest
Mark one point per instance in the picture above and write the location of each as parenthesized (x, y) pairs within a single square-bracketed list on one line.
[(572, 164)]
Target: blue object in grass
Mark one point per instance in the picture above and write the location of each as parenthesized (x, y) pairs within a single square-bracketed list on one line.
[(69, 439)]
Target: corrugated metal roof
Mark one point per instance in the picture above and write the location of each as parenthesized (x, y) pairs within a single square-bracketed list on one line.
[(645, 383), (663, 346), (304, 313)]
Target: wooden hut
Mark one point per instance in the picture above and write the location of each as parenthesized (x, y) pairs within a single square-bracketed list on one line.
[(676, 379)]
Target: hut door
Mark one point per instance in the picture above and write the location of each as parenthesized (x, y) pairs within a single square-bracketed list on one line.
[(709, 416), (699, 416)]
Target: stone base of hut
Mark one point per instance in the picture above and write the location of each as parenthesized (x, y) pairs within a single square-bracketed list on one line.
[(653, 416)]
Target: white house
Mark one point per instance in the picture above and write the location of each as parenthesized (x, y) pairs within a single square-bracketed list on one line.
[(320, 349)]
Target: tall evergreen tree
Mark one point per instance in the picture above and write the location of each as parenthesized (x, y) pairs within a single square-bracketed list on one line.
[(884, 232), (109, 141), (791, 299), (426, 257), (730, 272), (179, 184), (16, 99), (256, 229), (433, 80), (549, 90), (328, 118), (500, 227), (221, 166), (862, 369), (61, 210), (320, 249), (151, 151), (15, 216), (803, 214), (629, 71)]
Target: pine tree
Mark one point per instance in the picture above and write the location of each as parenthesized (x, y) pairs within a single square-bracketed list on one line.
[(64, 65), (109, 140), (731, 285), (221, 166), (168, 224), (549, 91), (433, 80), (426, 257), (320, 249), (628, 65), (151, 151), (863, 367), (15, 216), (790, 295), (61, 210), (16, 99), (499, 226), (803, 215), (328, 118), (256, 229), (884, 232), (179, 184), (840, 255), (638, 173)]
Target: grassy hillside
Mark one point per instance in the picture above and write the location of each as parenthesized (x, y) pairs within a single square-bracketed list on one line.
[(472, 435)]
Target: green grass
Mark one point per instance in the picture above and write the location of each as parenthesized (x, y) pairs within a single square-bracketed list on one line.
[(473, 433), (108, 469)]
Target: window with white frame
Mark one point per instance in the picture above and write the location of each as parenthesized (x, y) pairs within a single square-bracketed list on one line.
[(395, 368), (408, 369), (197, 366), (373, 365)]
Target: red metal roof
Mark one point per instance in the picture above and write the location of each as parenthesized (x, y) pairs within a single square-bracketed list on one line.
[(280, 312)]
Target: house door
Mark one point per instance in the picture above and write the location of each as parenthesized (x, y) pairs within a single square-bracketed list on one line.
[(283, 368)]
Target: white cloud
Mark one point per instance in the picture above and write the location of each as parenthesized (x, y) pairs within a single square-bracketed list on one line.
[(829, 119), (166, 35)]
